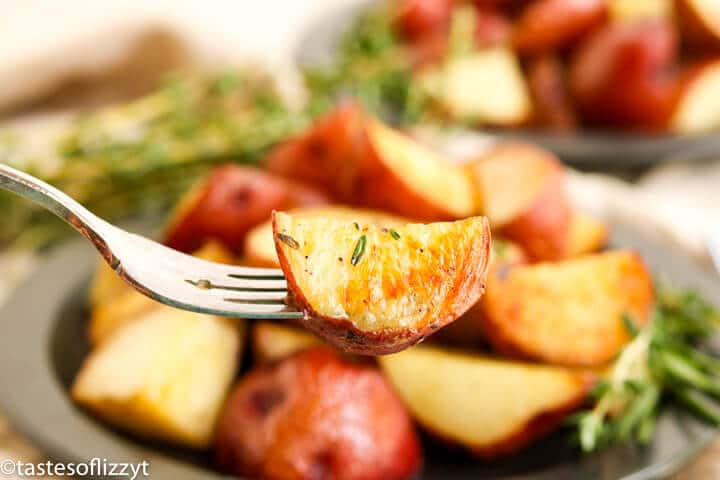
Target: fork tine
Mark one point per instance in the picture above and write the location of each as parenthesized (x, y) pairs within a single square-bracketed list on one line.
[(259, 308), (211, 282)]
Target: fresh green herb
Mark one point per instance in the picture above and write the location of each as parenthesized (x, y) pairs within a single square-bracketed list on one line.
[(394, 234), (359, 250), (664, 356), (630, 325), (140, 157), (288, 240)]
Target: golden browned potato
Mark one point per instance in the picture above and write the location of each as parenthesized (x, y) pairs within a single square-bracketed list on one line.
[(314, 415), (466, 331), (260, 247), (365, 163), (230, 201), (273, 341), (163, 376), (521, 189), (587, 235), (491, 407), (115, 303), (567, 313), (372, 290)]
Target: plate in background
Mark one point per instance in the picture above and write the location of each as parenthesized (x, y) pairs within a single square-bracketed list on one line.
[(588, 149), (43, 342)]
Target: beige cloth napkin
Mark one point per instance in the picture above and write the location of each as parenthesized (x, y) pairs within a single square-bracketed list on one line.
[(60, 55)]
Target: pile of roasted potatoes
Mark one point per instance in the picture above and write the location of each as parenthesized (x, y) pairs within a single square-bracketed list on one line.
[(629, 65), (310, 402)]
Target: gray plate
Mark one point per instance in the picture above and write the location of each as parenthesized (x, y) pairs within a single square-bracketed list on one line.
[(42, 343), (586, 149)]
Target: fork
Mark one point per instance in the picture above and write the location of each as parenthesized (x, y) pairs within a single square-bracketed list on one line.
[(163, 274)]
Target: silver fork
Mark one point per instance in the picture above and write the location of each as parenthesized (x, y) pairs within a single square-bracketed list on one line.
[(168, 276)]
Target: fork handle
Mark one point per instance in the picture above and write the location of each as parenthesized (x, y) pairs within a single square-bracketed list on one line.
[(89, 225)]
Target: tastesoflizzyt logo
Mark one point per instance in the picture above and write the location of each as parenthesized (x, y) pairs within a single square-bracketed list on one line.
[(95, 467)]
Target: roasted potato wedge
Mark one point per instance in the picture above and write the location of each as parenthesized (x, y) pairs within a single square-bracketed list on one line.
[(273, 341), (546, 25), (697, 105), (315, 415), (364, 163), (230, 201), (635, 10), (460, 88), (491, 407), (699, 23), (520, 188), (372, 290), (164, 376), (115, 303), (587, 235), (466, 331), (260, 247), (567, 313)]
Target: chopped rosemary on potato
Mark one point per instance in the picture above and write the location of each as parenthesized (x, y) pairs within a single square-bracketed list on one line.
[(394, 234), (359, 250), (663, 357)]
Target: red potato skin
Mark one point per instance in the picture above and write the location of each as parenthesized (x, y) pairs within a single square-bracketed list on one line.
[(546, 25), (324, 157), (624, 75), (315, 415), (697, 36), (345, 336), (492, 27), (548, 86), (336, 156), (416, 19), (543, 229), (229, 202)]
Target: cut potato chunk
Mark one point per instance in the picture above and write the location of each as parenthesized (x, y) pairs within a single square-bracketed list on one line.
[(228, 202), (698, 105), (587, 235), (635, 10), (567, 313), (373, 290), (365, 163), (486, 87), (260, 247), (114, 302), (521, 189), (272, 341), (490, 407), (700, 23), (164, 376)]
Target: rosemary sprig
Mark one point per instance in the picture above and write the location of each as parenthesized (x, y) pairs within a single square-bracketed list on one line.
[(663, 357), (141, 156)]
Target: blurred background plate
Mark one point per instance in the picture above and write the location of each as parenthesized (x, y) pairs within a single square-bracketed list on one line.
[(43, 331), (588, 150)]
